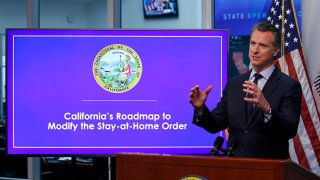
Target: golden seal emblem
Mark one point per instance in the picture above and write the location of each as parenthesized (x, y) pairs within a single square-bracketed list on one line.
[(117, 68)]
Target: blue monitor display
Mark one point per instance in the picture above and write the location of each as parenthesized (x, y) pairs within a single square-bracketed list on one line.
[(240, 16), (110, 91)]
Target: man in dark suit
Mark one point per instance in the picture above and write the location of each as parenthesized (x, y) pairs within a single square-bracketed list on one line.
[(261, 111)]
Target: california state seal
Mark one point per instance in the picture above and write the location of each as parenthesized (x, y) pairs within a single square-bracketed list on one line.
[(117, 68)]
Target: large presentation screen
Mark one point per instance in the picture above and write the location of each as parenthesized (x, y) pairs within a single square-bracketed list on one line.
[(110, 91)]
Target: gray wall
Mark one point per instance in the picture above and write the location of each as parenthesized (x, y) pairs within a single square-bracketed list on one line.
[(70, 14), (92, 14), (13, 14), (311, 35), (55, 14)]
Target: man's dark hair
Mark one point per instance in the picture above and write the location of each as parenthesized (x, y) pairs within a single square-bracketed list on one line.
[(267, 27)]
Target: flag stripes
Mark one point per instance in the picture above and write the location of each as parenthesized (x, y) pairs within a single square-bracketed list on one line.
[(306, 143)]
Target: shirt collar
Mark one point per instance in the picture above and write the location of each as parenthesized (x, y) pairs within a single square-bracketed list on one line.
[(265, 73)]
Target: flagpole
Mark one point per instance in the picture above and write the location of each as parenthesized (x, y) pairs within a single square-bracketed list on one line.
[(295, 19), (282, 62)]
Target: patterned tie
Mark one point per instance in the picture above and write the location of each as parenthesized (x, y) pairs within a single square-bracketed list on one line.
[(257, 76)]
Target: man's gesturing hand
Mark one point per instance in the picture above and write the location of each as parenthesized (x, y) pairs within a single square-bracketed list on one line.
[(198, 98)]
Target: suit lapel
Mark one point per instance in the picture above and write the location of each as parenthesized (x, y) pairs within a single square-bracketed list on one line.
[(267, 90), (271, 84)]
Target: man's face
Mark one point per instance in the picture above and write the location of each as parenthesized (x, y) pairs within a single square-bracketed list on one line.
[(261, 51)]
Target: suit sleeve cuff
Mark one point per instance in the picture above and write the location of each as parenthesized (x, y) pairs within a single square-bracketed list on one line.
[(267, 116)]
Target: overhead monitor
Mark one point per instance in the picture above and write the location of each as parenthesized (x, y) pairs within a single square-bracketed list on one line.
[(160, 8)]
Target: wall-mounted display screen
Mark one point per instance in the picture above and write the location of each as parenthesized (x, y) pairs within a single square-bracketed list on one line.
[(160, 8), (240, 16), (110, 91)]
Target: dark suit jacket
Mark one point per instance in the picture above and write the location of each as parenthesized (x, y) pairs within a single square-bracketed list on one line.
[(251, 135)]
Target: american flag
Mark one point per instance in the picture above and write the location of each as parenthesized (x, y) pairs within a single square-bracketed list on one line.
[(304, 148), (149, 5)]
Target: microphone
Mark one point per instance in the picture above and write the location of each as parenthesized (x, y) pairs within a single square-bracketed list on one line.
[(217, 145), (229, 151)]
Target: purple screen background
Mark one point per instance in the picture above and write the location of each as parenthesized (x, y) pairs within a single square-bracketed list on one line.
[(49, 73)]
